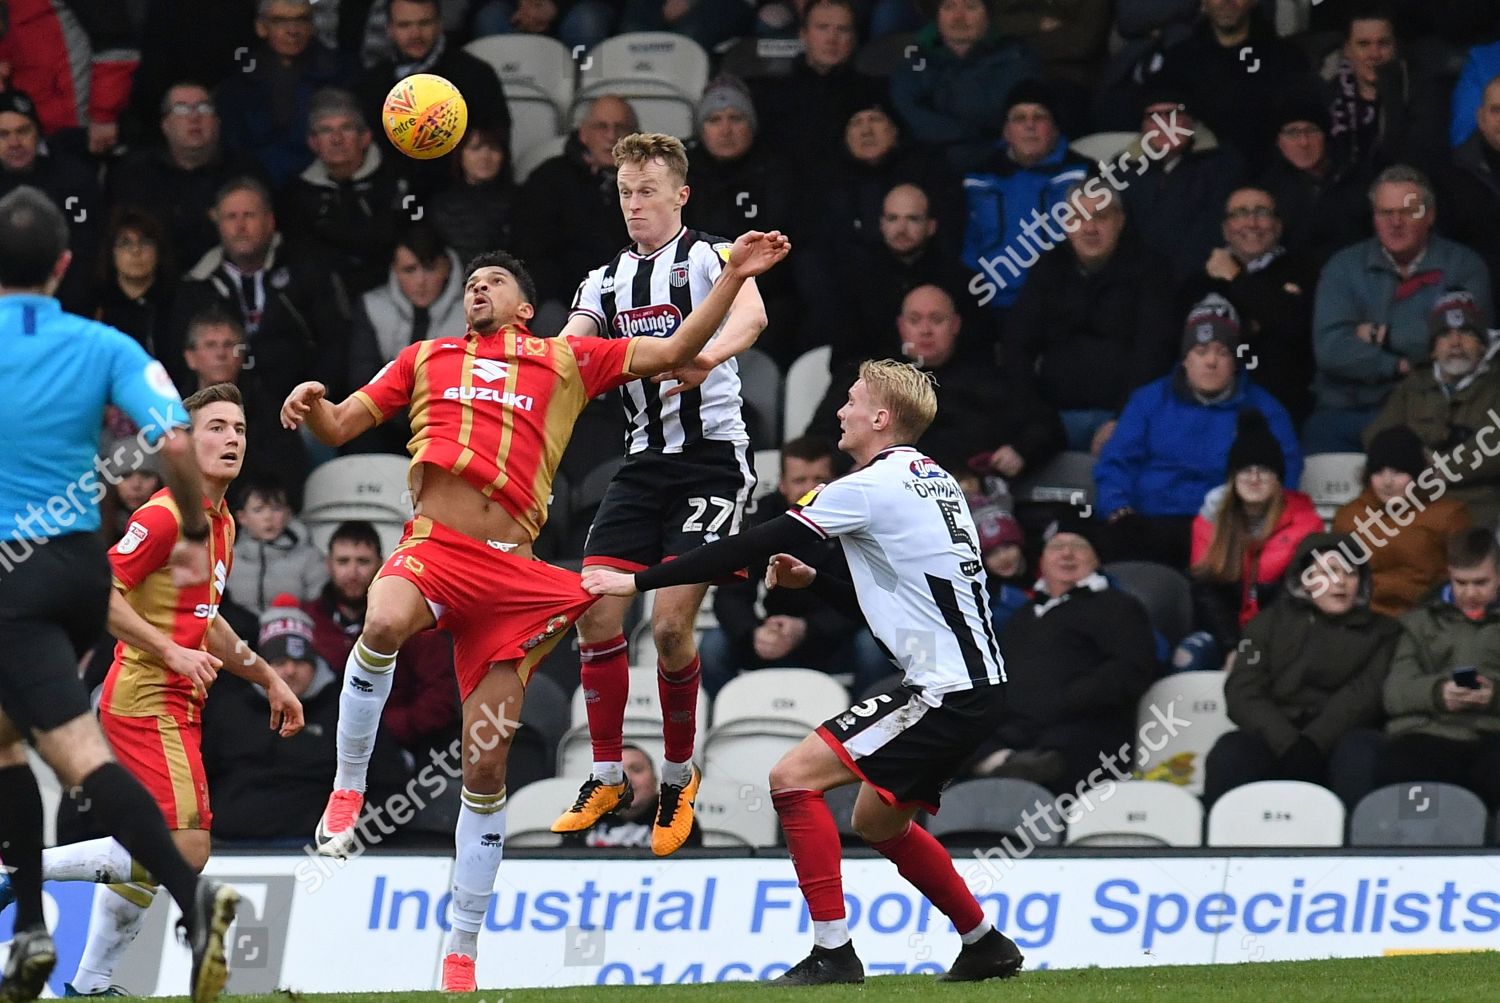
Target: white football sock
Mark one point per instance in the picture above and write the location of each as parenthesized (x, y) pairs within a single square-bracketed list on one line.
[(979, 931), (367, 683), (103, 861), (480, 839), (676, 774), (610, 773), (831, 933), (113, 924)]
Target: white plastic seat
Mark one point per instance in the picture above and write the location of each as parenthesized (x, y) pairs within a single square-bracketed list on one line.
[(1196, 698), (537, 73), (642, 726), (1332, 480), (806, 385), (1067, 477), (735, 814), (529, 158), (1136, 813), (760, 389), (1277, 813), (530, 811), (746, 757), (767, 472), (783, 701), (661, 74), (1104, 145), (358, 486)]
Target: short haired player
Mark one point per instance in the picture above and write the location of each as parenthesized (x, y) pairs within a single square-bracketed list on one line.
[(491, 413), (171, 643), (685, 481), (919, 582)]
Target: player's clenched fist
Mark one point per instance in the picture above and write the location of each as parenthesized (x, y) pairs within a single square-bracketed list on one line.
[(604, 582), (755, 252), (299, 402)]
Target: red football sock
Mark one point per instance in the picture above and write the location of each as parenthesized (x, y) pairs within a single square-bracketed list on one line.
[(679, 709), (921, 859), (605, 675), (812, 838)]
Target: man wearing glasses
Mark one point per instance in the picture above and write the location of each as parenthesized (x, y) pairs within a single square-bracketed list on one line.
[(1372, 303), (1271, 289), (176, 180)]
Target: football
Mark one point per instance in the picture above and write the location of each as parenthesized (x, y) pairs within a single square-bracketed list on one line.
[(425, 116)]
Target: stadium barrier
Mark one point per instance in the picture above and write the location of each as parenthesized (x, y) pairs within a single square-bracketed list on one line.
[(378, 923)]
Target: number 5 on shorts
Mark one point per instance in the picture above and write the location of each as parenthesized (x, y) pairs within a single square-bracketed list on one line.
[(694, 523)]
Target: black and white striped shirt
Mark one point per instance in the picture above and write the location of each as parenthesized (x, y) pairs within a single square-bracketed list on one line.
[(649, 295)]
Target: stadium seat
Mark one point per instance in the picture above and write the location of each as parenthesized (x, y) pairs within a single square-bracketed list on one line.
[(777, 701), (366, 485), (661, 74), (745, 757), (735, 814), (767, 472), (546, 709), (1419, 814), (883, 685), (537, 73), (746, 58), (760, 389), (643, 720), (841, 805), (1194, 697), (530, 811), (1068, 477), (1099, 146), (440, 814), (1277, 813), (529, 158), (1292, 16), (806, 384), (1163, 590), (1136, 813), (977, 812), (1332, 479)]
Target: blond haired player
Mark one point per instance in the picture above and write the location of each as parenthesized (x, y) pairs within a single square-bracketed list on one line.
[(491, 412), (685, 481), (919, 583)]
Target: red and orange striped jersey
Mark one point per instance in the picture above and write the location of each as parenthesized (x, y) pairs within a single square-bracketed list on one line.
[(139, 684), (498, 410)]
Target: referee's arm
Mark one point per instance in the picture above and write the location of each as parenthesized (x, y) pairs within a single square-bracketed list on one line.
[(180, 472)]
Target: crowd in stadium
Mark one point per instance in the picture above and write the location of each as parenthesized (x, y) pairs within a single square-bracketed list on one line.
[(1291, 251)]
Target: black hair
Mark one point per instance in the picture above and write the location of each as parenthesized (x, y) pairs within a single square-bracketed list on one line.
[(423, 240), (129, 218), (1469, 548), (507, 261), (33, 235), (807, 448), (355, 531), (263, 485)]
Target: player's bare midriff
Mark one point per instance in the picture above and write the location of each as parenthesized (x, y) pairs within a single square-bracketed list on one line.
[(452, 501)]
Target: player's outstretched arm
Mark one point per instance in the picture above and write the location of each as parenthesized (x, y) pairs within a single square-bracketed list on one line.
[(125, 624), (240, 660), (331, 424), (746, 320), (710, 561), (753, 254)]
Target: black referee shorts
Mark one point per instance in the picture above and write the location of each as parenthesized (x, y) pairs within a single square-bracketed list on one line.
[(909, 750), (54, 606), (662, 505)]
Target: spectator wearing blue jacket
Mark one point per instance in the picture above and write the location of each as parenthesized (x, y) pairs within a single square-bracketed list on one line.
[(1172, 442), (952, 89), (1372, 304), (1482, 66), (1028, 174)]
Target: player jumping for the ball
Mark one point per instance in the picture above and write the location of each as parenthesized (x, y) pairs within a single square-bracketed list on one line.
[(685, 481), (491, 412), (919, 583)]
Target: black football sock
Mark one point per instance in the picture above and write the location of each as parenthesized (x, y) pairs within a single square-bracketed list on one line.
[(21, 842), (129, 814)]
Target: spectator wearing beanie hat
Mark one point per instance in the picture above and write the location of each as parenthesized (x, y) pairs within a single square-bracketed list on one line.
[(1171, 445), (267, 788), (1029, 172), (1078, 656), (1246, 533), (1413, 559), (738, 183), (1000, 547), (1449, 403), (1323, 202)]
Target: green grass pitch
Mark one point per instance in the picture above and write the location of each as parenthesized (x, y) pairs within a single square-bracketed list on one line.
[(1410, 979)]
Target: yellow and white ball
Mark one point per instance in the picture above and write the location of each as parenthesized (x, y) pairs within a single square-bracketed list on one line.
[(424, 116)]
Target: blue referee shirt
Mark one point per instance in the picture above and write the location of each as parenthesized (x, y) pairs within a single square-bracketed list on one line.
[(58, 372)]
